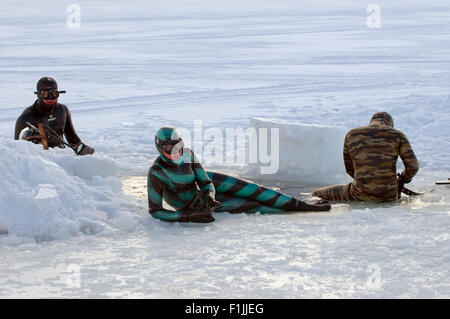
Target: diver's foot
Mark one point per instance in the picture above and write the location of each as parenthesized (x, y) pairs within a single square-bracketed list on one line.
[(319, 206), (322, 205)]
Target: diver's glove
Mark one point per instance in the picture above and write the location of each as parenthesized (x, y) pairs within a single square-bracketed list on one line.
[(202, 203), (196, 217), (200, 209), (83, 149), (32, 135), (210, 203)]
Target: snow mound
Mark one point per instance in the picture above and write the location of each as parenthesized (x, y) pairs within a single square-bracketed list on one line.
[(307, 153), (47, 195)]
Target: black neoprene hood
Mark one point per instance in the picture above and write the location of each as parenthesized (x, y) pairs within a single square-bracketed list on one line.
[(46, 82)]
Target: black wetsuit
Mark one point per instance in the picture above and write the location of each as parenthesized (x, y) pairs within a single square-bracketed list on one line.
[(56, 117)]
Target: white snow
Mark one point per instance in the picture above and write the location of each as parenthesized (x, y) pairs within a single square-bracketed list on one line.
[(307, 153), (66, 228), (54, 195)]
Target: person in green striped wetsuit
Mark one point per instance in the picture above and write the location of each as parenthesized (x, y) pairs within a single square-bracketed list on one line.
[(177, 177)]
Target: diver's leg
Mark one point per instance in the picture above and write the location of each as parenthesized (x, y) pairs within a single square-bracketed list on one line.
[(238, 188), (241, 205), (339, 192)]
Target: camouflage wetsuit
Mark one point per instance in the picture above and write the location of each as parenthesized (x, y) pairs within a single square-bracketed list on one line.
[(370, 157), (179, 183)]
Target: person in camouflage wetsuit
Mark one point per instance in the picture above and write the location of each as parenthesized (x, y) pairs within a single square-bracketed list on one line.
[(370, 157), (177, 177)]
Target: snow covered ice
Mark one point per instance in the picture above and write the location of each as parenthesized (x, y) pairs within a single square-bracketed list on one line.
[(317, 147), (54, 195), (135, 66)]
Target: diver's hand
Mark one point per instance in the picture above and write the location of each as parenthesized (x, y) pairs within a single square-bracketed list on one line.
[(196, 217), (211, 203), (31, 135)]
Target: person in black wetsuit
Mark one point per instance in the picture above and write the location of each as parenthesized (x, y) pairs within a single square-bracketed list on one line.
[(177, 177), (56, 116)]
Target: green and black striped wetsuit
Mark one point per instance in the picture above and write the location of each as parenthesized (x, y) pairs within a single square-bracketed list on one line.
[(178, 183), (239, 196)]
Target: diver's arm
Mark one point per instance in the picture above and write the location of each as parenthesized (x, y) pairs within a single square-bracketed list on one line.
[(20, 125), (409, 160), (155, 192), (203, 181), (347, 159), (69, 130)]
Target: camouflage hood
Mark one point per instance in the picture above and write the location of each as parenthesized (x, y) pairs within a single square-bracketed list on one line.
[(382, 118)]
